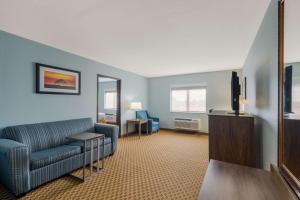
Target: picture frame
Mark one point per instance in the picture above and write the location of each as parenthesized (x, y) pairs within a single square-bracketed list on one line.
[(57, 80)]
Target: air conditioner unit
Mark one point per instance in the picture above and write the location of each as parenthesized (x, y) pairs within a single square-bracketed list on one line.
[(187, 124)]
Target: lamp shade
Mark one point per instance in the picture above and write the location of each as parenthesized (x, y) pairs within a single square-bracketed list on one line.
[(135, 105)]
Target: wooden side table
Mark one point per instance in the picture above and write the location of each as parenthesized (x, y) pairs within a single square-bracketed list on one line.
[(139, 122)]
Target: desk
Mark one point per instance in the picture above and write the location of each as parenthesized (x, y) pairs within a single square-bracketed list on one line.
[(139, 122), (226, 181)]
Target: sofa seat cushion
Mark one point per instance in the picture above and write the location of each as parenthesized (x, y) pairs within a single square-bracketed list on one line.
[(49, 156), (88, 144)]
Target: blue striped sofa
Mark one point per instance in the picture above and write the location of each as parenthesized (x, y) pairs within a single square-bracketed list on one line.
[(34, 154)]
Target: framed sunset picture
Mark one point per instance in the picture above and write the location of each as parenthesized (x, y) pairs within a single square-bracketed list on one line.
[(56, 80)]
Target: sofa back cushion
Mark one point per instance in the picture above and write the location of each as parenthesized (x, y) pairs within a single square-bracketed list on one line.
[(47, 135)]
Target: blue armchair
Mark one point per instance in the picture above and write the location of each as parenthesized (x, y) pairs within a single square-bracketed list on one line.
[(153, 122)]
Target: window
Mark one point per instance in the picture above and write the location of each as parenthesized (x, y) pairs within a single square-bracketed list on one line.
[(187, 99), (110, 100)]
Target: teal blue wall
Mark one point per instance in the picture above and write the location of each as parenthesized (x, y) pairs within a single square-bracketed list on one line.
[(261, 70), (20, 104)]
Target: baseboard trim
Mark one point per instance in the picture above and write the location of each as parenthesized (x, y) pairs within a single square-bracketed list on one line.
[(169, 129), (177, 130)]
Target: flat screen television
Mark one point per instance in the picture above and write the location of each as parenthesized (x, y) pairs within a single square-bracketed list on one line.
[(288, 82), (235, 92)]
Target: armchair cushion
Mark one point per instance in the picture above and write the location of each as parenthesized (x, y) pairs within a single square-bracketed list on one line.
[(155, 123), (49, 156), (155, 126), (47, 135), (142, 114)]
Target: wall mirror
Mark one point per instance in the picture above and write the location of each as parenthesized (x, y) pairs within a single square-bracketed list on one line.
[(108, 100), (289, 92)]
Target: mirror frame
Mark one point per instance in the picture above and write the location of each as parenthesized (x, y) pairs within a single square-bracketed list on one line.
[(119, 83), (285, 172)]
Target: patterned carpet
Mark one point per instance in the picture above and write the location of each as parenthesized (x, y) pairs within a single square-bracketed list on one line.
[(165, 165)]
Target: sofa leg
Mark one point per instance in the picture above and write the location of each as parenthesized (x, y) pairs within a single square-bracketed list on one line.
[(20, 195)]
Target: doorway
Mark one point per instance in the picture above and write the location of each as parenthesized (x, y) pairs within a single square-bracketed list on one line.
[(109, 100)]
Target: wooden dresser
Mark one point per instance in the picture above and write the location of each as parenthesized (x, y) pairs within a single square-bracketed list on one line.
[(232, 138), (292, 144)]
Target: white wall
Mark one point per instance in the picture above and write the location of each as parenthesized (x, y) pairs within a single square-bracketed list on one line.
[(261, 70), (218, 95)]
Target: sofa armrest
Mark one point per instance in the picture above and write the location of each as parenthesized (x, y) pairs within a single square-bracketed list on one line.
[(111, 131), (14, 166)]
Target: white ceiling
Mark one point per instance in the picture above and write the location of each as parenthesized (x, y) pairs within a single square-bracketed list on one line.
[(292, 31), (147, 37)]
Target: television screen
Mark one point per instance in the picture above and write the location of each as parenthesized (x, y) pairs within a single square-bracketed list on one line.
[(288, 89), (235, 92)]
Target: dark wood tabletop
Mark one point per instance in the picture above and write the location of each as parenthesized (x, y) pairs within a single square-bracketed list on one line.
[(85, 136), (229, 113), (225, 181)]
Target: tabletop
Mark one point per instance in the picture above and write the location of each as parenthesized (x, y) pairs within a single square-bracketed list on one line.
[(85, 136), (233, 182)]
